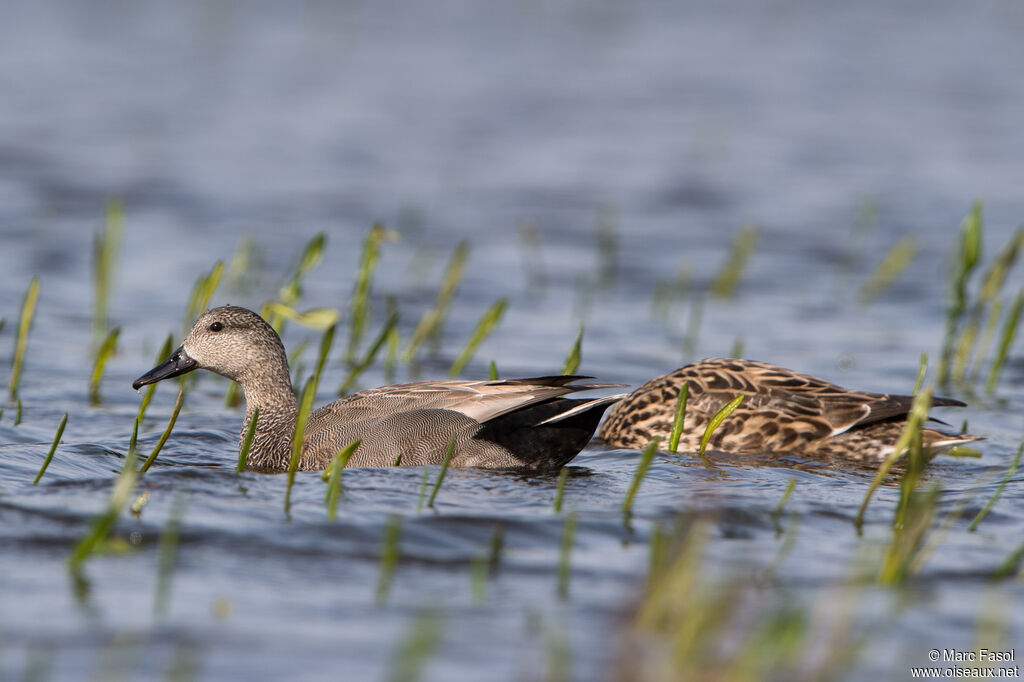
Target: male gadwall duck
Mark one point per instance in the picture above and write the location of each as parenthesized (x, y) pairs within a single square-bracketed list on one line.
[(514, 423), (782, 411)]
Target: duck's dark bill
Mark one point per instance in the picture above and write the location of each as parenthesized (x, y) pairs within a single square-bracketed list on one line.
[(178, 363)]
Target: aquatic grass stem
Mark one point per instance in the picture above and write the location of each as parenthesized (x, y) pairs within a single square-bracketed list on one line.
[(103, 354), (104, 523), (106, 249), (353, 375), (250, 433), (717, 420), (573, 359), (179, 401), (388, 558), (1010, 471), (359, 310), (964, 263), (311, 255), (333, 475), (488, 321), (728, 277), (305, 408), (168, 552), (679, 417), (202, 292), (444, 470), (889, 270), (28, 309), (53, 448), (638, 476), (563, 476), (565, 554), (147, 397), (417, 647), (432, 321), (1005, 341)]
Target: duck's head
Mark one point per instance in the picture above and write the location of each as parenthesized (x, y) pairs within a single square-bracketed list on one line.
[(231, 341)]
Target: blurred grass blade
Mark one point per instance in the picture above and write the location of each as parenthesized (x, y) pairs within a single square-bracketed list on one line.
[(250, 433), (388, 558), (359, 311), (565, 554), (312, 254), (305, 408), (1006, 340), (390, 327), (488, 321), (679, 418), (106, 248), (314, 318), (325, 347), (964, 262), (432, 321), (444, 470), (103, 354), (168, 552), (717, 420), (53, 448), (641, 470), (104, 522), (333, 475), (728, 277), (167, 432), (889, 270), (147, 397), (492, 371), (563, 475), (1010, 471), (202, 293), (573, 359), (244, 267), (28, 309), (417, 647)]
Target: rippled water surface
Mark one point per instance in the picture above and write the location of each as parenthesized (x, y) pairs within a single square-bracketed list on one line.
[(589, 153)]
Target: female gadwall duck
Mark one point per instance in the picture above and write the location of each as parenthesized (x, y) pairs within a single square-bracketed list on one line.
[(515, 423), (782, 411)]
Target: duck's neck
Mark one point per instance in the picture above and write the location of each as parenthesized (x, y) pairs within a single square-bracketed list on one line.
[(272, 397)]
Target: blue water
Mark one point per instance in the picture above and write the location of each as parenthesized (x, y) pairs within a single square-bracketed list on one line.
[(836, 131)]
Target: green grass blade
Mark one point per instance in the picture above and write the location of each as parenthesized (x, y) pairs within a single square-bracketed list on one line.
[(390, 327), (422, 496), (325, 347), (1005, 341), (245, 266), (444, 470), (417, 647), (53, 448), (432, 321), (28, 309), (250, 433), (167, 432), (563, 475), (105, 521), (964, 263), (492, 372), (333, 474), (717, 420), (388, 558), (575, 356), (488, 321), (312, 254), (922, 371), (679, 418), (305, 408), (1010, 471), (168, 552), (202, 292), (565, 554), (638, 476), (889, 270), (147, 397), (359, 311), (314, 318), (103, 354), (728, 277), (106, 248)]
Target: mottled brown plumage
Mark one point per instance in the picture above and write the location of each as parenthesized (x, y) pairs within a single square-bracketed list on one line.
[(515, 423), (782, 411)]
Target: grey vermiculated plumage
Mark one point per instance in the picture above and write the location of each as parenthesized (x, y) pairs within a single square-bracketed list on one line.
[(513, 423), (782, 411)]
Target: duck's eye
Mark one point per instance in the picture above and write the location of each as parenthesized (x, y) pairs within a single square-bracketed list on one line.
[(216, 326)]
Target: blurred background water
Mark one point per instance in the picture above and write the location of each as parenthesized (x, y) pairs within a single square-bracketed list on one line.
[(542, 133)]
